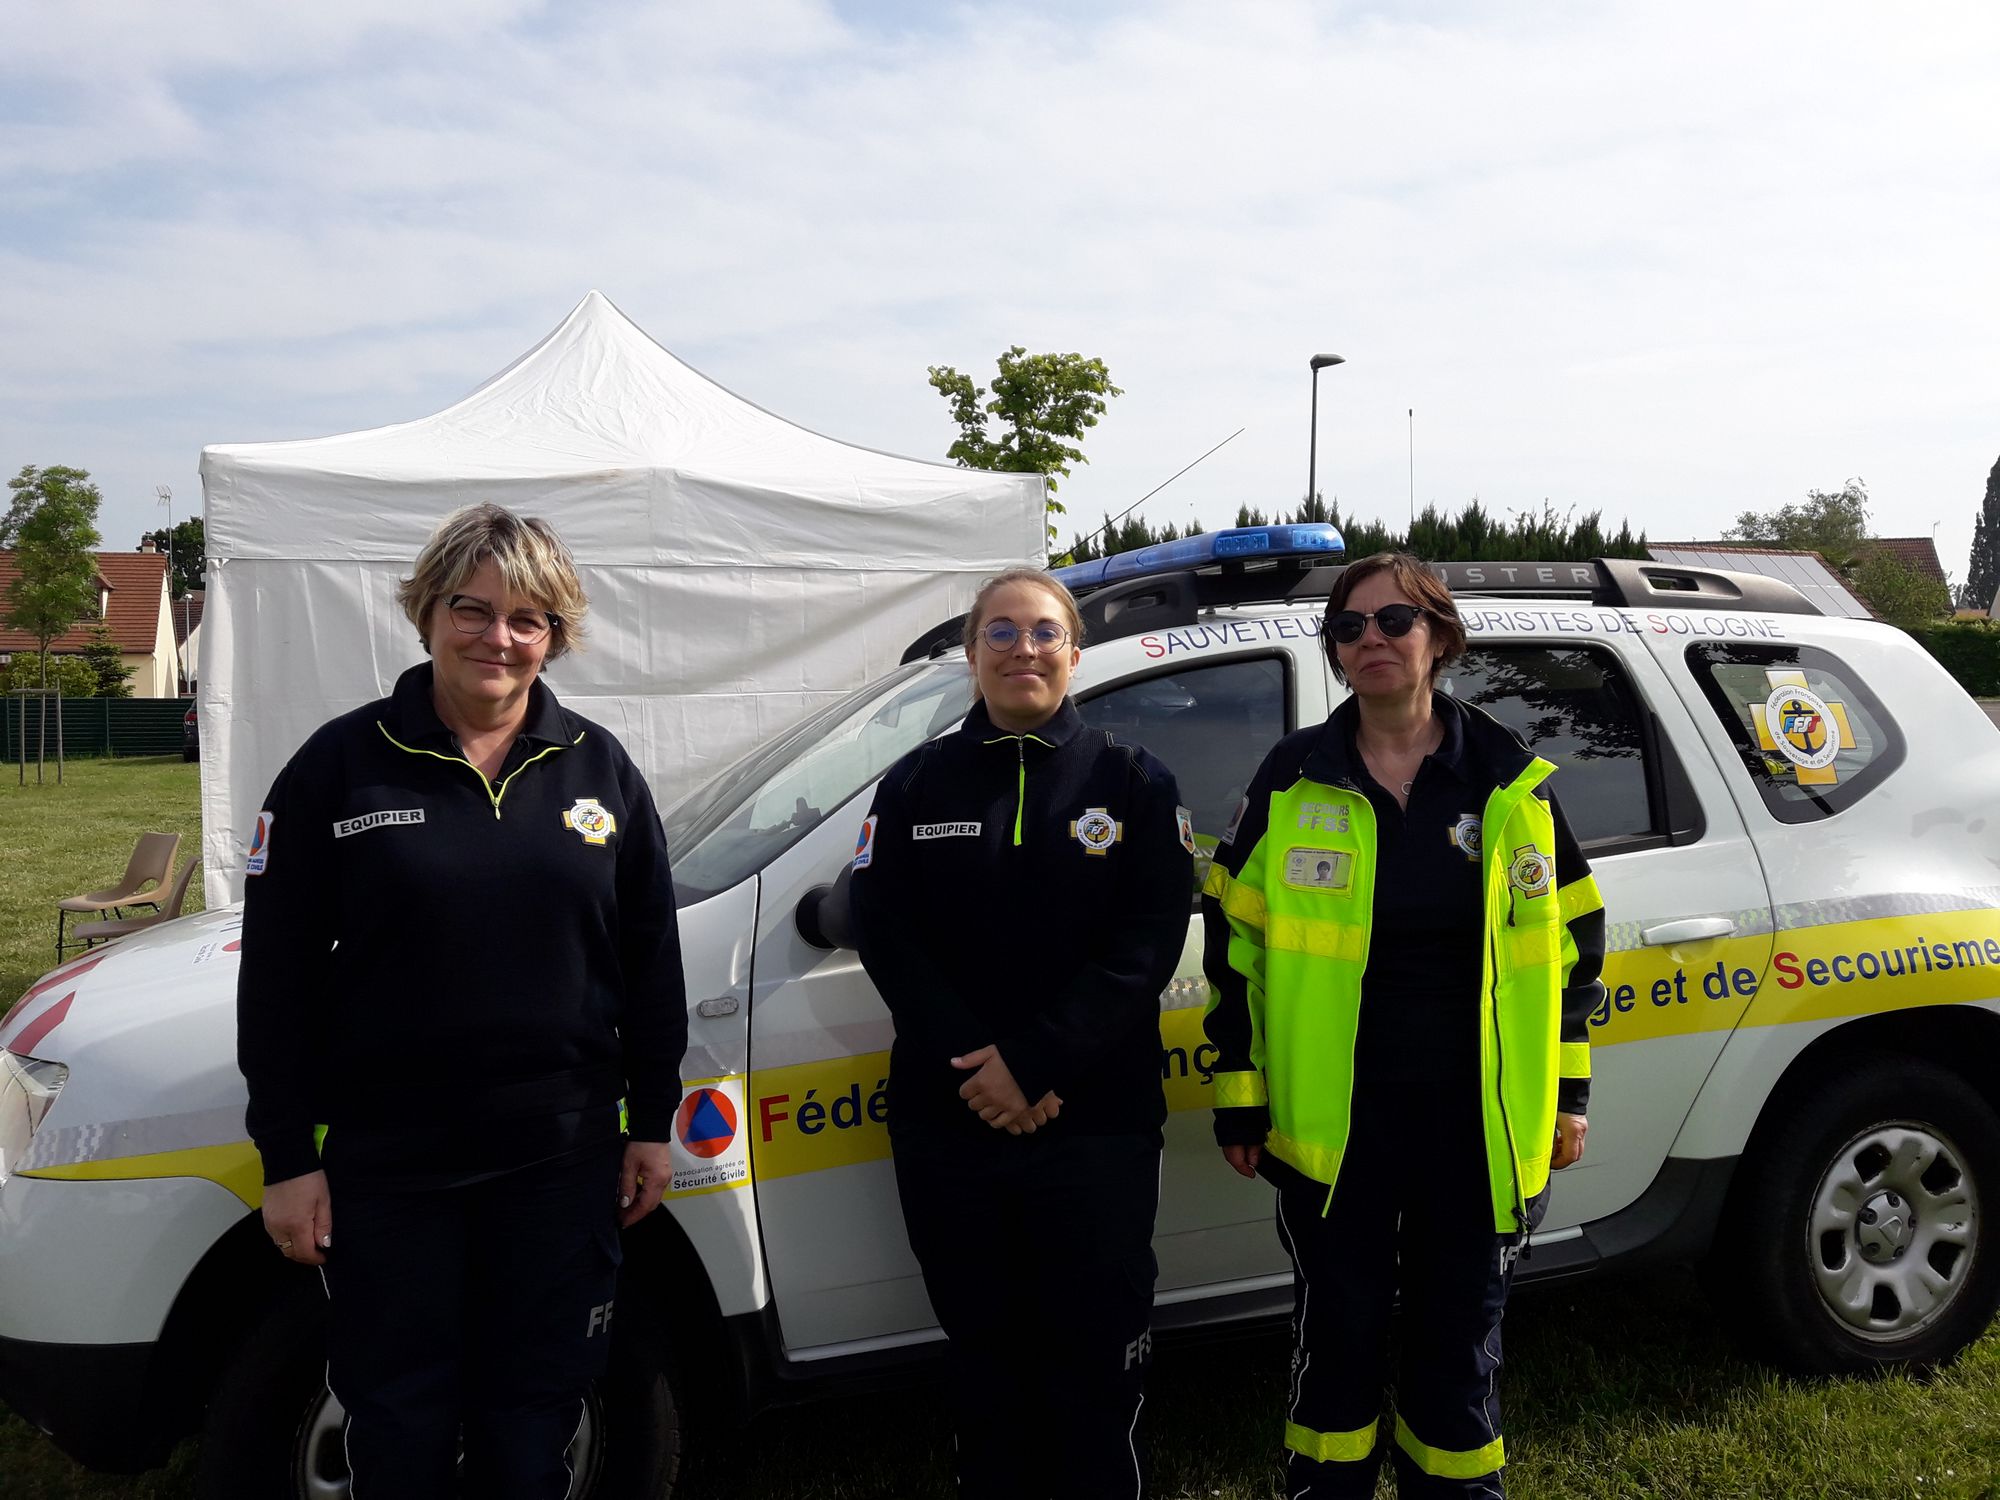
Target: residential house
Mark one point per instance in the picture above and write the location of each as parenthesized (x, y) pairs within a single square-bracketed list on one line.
[(132, 601)]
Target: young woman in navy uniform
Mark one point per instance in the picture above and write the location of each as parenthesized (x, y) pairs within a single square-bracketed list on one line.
[(1021, 894)]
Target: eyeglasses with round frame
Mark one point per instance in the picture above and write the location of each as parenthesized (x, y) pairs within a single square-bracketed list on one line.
[(1393, 620), (1044, 637), (470, 616)]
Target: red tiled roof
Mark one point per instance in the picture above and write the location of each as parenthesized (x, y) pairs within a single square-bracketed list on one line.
[(137, 581), (1917, 553), (187, 614)]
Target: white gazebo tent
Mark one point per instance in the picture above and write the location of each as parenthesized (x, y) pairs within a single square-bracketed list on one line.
[(742, 571)]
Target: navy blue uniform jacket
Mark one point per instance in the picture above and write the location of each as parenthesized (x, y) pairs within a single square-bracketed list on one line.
[(1031, 891), (478, 971)]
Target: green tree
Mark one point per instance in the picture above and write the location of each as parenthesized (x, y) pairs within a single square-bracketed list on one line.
[(1982, 569), (1901, 595), (1833, 523), (107, 664), (70, 675), (190, 554), (1044, 402), (52, 522)]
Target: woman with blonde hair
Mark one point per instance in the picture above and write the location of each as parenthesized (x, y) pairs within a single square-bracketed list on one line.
[(1021, 893), (459, 955)]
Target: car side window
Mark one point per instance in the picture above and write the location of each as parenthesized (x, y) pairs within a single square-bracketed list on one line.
[(1812, 739), (1211, 725), (1620, 785)]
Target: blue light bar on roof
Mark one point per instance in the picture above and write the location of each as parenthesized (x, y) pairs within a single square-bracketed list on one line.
[(1238, 544)]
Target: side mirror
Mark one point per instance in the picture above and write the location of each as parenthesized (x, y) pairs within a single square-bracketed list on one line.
[(824, 917)]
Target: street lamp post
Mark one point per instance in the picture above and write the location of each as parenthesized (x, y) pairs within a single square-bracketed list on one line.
[(1319, 362), (166, 498)]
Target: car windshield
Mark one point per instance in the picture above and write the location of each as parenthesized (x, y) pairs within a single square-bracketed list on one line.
[(736, 824)]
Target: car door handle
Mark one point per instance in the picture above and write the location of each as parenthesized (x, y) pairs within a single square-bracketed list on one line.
[(1687, 930)]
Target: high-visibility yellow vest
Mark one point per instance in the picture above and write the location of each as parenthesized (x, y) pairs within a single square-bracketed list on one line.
[(1299, 913)]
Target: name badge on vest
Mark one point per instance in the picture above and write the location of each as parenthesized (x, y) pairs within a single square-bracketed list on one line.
[(1318, 869)]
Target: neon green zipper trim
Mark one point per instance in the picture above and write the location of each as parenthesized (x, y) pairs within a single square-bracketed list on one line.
[(493, 795), (1020, 774)]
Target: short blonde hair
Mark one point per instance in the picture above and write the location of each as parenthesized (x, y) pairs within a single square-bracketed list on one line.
[(1038, 578), (533, 563)]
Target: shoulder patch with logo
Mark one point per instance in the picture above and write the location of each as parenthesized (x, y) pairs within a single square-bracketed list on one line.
[(1465, 835), (591, 819), (1531, 871), (864, 847), (1184, 820), (1096, 830), (260, 845), (1319, 869)]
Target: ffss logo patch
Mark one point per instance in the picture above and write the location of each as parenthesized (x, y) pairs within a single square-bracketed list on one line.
[(1096, 830), (591, 819)]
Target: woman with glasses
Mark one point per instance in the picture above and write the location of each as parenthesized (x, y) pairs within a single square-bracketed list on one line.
[(1020, 898), (459, 955), (1403, 943)]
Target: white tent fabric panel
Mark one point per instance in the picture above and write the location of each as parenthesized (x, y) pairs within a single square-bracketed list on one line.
[(742, 571)]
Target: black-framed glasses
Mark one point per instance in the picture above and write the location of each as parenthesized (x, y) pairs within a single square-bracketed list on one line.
[(472, 616), (1043, 638), (1392, 620)]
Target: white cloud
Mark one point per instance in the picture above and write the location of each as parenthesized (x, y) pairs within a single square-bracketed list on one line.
[(1673, 262)]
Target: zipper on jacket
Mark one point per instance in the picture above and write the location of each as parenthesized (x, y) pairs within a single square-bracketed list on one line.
[(1020, 785), (493, 795), (1500, 1081), (1020, 773)]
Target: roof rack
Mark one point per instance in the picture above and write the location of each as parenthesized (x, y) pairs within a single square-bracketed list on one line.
[(1609, 582), (1176, 595)]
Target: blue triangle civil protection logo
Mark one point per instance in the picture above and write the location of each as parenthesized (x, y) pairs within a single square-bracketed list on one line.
[(706, 1122)]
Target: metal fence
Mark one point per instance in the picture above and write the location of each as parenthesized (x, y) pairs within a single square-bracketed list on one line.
[(93, 726)]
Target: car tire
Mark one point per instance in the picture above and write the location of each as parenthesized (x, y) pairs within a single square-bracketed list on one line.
[(1857, 1235), (272, 1429)]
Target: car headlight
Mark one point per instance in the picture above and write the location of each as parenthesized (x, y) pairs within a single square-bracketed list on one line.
[(28, 1086)]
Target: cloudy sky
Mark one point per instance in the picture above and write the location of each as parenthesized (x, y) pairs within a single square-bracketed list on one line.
[(1669, 262)]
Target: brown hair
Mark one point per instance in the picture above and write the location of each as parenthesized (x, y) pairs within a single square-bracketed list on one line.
[(975, 617), (1415, 579), (533, 562)]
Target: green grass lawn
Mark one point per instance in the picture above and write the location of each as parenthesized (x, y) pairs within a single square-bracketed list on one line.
[(1618, 1388)]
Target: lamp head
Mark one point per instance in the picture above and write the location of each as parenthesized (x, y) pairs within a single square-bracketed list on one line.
[(1321, 361)]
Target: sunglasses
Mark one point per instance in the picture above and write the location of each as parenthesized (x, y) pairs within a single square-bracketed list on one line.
[(1392, 620)]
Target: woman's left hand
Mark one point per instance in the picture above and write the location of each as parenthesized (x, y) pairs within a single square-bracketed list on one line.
[(991, 1092), (1570, 1131), (648, 1169)]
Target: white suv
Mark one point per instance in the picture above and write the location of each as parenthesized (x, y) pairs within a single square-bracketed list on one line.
[(1795, 822)]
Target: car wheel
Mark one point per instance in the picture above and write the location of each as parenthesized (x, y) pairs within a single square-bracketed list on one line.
[(274, 1428), (1858, 1233)]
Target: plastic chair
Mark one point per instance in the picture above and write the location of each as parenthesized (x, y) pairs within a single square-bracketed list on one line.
[(152, 860), (113, 928)]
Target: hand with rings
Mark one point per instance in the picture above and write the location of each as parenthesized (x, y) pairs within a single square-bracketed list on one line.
[(298, 1216)]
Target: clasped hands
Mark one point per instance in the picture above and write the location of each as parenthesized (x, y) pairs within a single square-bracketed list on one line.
[(993, 1095)]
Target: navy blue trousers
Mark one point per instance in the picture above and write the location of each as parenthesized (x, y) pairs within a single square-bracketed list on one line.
[(1411, 1214), (1037, 1252), (477, 1314)]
